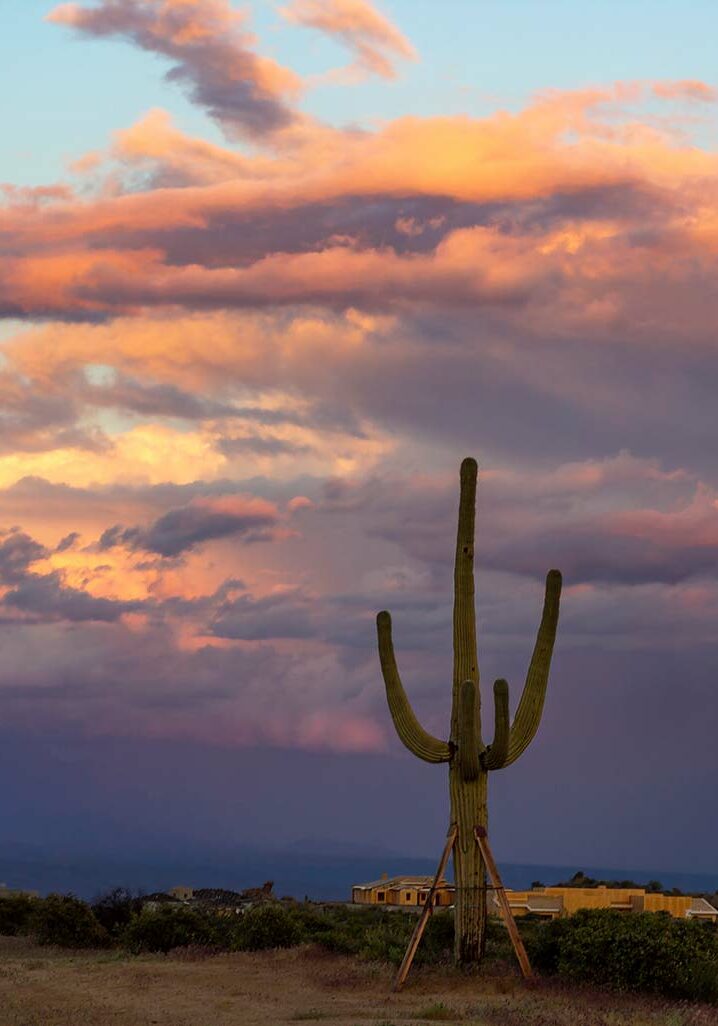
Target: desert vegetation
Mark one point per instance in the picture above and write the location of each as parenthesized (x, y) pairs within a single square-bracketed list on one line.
[(193, 985), (649, 953)]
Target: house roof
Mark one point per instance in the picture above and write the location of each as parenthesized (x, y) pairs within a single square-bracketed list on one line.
[(701, 907), (401, 881), (218, 896)]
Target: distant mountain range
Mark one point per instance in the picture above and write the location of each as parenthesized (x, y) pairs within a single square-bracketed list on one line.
[(300, 871)]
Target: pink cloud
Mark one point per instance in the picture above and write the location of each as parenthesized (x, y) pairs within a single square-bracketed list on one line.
[(687, 89), (339, 731), (360, 27), (300, 502), (246, 340)]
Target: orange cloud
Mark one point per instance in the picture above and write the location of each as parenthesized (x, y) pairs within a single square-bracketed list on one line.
[(154, 142), (297, 322), (557, 145), (149, 453)]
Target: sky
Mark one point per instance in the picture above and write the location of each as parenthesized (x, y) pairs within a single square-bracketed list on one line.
[(268, 273)]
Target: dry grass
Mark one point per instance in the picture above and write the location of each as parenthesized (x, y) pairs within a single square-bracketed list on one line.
[(50, 987)]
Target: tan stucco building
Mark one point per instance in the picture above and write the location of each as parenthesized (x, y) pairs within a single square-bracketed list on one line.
[(404, 891), (553, 902), (550, 902)]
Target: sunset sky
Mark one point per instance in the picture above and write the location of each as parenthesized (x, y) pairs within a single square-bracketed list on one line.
[(268, 272)]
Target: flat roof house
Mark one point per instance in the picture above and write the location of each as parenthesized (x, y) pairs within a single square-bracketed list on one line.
[(550, 902), (553, 902)]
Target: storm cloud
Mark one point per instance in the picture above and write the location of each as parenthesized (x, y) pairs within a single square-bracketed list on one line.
[(202, 520)]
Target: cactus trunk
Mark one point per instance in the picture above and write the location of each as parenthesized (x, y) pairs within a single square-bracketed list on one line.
[(468, 810), (469, 759), (467, 780)]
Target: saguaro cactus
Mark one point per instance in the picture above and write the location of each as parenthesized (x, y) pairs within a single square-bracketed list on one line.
[(469, 759)]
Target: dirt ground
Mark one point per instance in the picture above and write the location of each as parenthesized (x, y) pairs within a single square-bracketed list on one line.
[(51, 987)]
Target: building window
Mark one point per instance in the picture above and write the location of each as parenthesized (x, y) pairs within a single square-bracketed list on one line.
[(422, 898), (381, 895), (408, 896)]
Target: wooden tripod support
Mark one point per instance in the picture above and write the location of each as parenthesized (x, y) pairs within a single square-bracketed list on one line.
[(425, 912), (483, 843)]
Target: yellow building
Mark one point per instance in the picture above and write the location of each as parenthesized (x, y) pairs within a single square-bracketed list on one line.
[(402, 891), (554, 902), (550, 902)]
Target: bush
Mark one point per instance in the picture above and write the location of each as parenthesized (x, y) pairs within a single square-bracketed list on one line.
[(647, 952), (336, 929), (169, 927), (114, 909), (15, 914), (367, 932), (437, 944), (66, 921), (388, 939), (374, 933), (543, 942), (266, 926)]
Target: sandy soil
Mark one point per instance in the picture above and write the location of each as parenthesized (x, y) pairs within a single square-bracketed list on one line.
[(50, 987)]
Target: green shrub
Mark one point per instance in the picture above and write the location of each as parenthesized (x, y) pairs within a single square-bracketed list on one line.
[(114, 909), (64, 920), (335, 928), (266, 926), (543, 942), (169, 927), (367, 932), (375, 933), (437, 944), (15, 914), (649, 952), (700, 982), (387, 940)]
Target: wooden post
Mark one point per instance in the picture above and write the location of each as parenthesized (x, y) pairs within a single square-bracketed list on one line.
[(483, 842), (425, 912)]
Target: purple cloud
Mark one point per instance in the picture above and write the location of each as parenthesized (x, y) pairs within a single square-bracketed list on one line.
[(211, 52), (202, 520)]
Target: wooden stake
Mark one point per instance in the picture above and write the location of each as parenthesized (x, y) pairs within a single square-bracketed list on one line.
[(425, 912), (483, 842)]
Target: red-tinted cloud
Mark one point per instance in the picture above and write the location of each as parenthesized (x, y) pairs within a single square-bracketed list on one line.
[(612, 230), (296, 343)]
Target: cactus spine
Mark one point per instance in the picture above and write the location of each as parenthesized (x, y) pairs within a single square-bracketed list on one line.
[(469, 759)]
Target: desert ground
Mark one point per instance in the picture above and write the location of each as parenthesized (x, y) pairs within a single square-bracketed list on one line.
[(52, 987)]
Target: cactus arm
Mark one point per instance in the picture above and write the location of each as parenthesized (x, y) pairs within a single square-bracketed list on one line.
[(496, 754), (410, 731), (468, 731), (528, 714)]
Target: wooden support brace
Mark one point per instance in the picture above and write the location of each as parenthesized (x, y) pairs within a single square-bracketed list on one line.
[(483, 842), (425, 912)]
